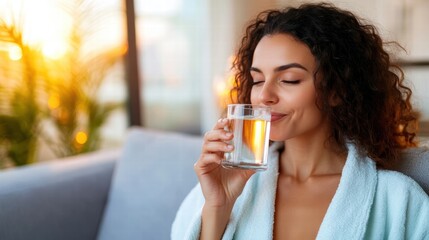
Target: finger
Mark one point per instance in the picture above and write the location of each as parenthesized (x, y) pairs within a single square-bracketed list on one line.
[(221, 123), (219, 146), (218, 135), (218, 132), (207, 162)]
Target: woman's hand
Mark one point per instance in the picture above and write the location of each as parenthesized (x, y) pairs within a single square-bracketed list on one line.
[(220, 186)]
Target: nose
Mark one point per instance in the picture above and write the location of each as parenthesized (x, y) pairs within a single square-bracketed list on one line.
[(268, 95)]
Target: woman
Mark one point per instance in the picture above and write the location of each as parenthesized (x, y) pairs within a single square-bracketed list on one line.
[(340, 115)]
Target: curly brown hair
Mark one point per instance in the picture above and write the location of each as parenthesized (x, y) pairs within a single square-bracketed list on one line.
[(374, 109)]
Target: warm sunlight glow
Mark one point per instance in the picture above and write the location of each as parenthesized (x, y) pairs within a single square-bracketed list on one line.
[(222, 88), (47, 26), (81, 137), (54, 50), (54, 102), (43, 25), (15, 53)]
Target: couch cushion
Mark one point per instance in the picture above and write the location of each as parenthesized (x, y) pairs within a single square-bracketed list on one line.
[(150, 181)]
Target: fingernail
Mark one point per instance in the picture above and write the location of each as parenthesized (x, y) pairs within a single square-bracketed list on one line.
[(224, 120), (228, 134), (229, 147)]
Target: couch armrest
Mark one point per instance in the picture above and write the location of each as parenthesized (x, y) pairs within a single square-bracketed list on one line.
[(61, 199)]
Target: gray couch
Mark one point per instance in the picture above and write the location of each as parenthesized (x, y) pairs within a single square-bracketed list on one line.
[(122, 194)]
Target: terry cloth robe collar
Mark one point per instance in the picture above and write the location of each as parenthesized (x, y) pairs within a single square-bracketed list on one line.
[(346, 217)]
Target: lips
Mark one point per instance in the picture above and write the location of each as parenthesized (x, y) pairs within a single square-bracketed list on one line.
[(277, 116)]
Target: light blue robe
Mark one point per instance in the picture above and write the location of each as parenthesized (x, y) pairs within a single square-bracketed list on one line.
[(368, 204)]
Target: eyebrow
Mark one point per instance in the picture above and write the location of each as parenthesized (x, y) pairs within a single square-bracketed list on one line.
[(282, 67)]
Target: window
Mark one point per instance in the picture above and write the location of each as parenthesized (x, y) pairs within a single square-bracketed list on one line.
[(172, 38)]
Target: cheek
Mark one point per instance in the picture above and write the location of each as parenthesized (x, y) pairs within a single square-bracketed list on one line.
[(304, 98), (307, 103), (307, 98), (254, 96)]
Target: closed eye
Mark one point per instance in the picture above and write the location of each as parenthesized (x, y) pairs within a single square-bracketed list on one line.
[(257, 82), (291, 81)]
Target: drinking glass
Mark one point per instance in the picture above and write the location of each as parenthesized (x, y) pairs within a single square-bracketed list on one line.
[(250, 125)]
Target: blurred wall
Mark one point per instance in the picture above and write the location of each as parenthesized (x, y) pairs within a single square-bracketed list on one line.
[(227, 23)]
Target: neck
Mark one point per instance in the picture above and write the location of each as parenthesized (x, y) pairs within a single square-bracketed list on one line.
[(306, 158)]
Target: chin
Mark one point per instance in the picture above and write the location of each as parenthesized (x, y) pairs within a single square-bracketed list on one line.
[(282, 135), (277, 138)]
